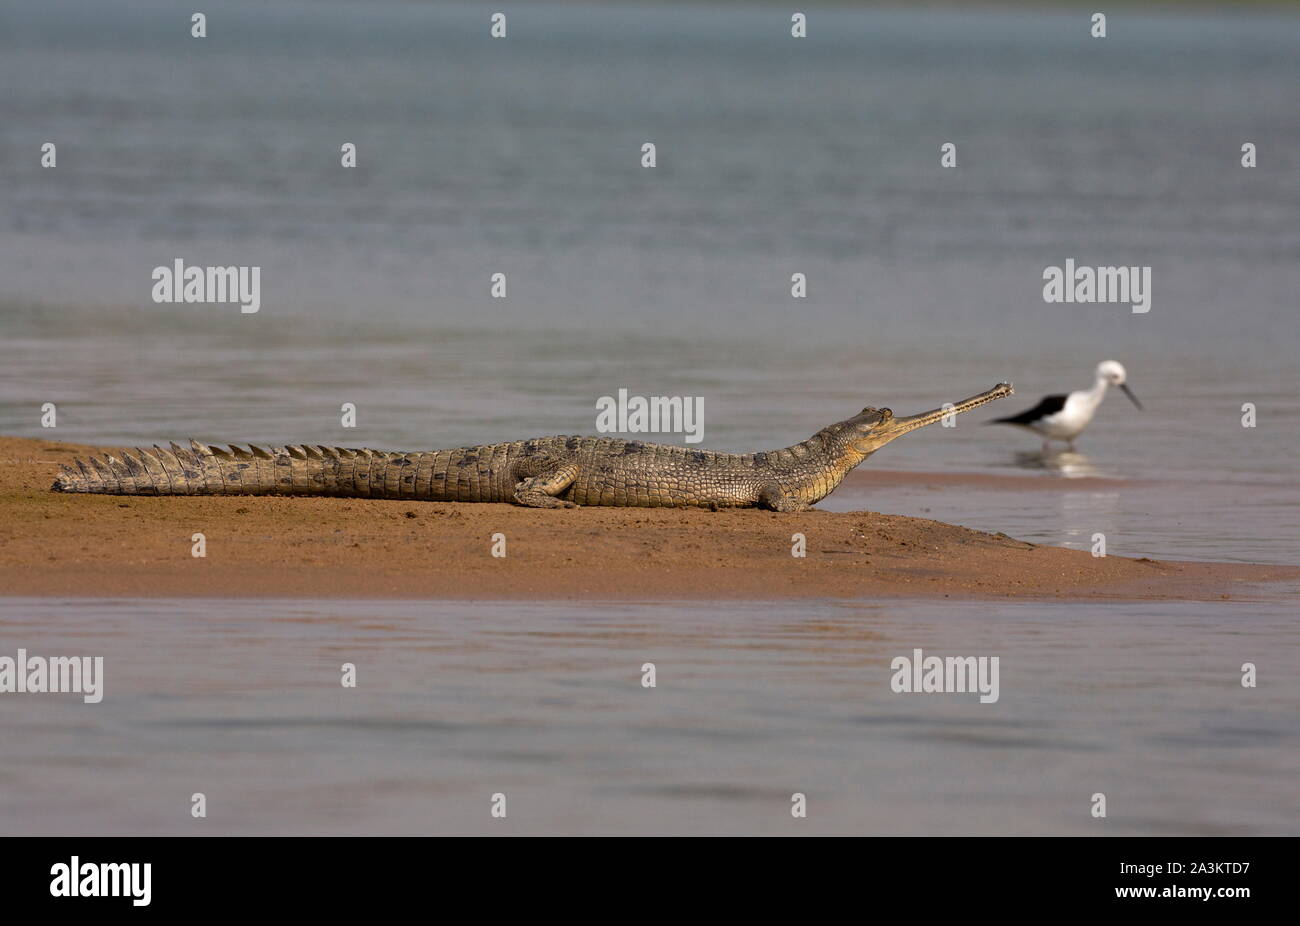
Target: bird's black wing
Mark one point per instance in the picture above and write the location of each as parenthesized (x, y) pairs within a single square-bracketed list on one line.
[(1049, 406)]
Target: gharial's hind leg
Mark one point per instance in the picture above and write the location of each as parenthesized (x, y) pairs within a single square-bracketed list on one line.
[(540, 491), (775, 498)]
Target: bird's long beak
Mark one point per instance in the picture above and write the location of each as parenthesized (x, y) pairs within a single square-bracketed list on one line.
[(1129, 392)]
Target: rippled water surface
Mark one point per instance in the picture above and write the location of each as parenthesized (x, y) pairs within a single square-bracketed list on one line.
[(544, 703), (522, 156)]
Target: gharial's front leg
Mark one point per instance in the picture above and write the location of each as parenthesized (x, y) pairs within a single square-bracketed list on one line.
[(772, 496), (540, 491)]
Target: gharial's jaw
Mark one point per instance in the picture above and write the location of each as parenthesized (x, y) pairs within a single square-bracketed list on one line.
[(890, 427)]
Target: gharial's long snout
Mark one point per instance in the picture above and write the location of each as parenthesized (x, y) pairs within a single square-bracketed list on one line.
[(897, 427), (912, 422)]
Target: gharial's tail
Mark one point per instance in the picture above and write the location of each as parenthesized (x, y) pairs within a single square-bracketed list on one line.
[(204, 470)]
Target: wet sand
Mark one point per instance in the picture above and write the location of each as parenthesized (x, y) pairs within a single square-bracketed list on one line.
[(53, 544)]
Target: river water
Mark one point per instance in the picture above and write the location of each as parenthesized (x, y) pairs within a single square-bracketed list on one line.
[(775, 156), (241, 701)]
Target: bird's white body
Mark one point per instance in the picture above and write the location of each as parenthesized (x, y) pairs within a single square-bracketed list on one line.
[(1064, 418), (1069, 422)]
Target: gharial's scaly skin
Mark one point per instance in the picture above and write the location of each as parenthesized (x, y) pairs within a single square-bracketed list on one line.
[(549, 472)]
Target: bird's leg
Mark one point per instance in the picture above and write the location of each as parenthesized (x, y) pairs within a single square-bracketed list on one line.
[(1047, 448), (1070, 444)]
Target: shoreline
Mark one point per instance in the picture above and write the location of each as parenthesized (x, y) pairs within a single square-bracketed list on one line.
[(109, 546)]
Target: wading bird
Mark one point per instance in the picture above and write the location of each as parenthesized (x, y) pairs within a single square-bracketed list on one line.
[(1063, 417)]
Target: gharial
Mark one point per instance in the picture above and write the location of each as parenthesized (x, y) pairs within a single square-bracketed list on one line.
[(549, 472)]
